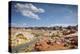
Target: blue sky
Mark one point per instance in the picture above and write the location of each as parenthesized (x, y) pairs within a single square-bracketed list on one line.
[(25, 14)]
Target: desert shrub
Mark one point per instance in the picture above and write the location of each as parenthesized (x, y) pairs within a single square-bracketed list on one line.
[(21, 36)]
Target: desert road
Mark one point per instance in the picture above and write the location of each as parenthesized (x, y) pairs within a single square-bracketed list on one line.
[(18, 48)]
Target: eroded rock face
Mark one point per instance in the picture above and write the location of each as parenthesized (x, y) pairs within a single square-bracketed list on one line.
[(41, 44), (47, 44)]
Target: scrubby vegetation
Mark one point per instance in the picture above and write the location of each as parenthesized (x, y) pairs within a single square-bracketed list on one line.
[(48, 38)]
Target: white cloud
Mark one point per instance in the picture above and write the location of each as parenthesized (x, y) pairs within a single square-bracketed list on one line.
[(29, 10)]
